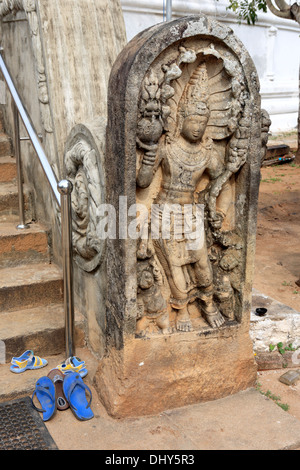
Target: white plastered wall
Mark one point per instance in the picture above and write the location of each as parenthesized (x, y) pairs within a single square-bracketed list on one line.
[(273, 43)]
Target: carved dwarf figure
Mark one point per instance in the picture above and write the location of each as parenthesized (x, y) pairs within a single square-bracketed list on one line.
[(152, 307)]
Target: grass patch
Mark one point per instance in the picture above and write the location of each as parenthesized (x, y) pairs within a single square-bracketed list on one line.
[(276, 399), (271, 180)]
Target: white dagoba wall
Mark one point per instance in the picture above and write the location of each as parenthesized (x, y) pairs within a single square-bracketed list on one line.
[(273, 44)]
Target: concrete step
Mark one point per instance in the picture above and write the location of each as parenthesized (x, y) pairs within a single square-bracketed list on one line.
[(9, 202), (41, 329), (23, 246), (5, 145), (8, 170), (30, 286)]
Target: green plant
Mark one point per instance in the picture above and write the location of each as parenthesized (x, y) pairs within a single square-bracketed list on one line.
[(282, 349), (272, 397), (271, 180), (294, 165)]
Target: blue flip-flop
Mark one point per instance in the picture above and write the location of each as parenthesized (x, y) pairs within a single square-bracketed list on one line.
[(75, 392), (45, 393)]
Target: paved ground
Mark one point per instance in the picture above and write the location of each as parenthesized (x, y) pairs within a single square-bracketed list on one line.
[(246, 421)]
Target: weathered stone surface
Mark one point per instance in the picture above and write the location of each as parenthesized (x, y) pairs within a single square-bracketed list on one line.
[(23, 246), (5, 145), (32, 285), (158, 70), (150, 376), (8, 170), (281, 324), (290, 377), (9, 201)]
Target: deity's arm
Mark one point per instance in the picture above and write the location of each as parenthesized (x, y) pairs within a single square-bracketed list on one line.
[(220, 192), (225, 198), (149, 165), (220, 175)]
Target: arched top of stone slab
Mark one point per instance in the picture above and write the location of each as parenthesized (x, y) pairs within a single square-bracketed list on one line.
[(146, 46), (140, 54)]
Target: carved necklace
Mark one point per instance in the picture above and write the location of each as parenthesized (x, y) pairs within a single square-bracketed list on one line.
[(191, 151), (185, 157)]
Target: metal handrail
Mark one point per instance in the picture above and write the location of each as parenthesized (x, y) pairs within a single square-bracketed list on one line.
[(62, 193), (169, 10)]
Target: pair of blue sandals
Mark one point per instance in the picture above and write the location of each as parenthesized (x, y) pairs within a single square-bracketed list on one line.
[(61, 389), (74, 395)]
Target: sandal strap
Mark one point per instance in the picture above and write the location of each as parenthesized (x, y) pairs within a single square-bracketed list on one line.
[(16, 360), (82, 385), (57, 378), (40, 388)]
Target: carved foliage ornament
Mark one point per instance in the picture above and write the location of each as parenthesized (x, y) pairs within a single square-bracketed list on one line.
[(84, 169)]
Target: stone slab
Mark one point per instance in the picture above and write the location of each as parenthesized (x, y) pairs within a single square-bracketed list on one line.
[(175, 370), (5, 145), (23, 246), (32, 285), (280, 324), (8, 169), (290, 378)]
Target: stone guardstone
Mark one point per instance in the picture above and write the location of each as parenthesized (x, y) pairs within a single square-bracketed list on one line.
[(185, 138)]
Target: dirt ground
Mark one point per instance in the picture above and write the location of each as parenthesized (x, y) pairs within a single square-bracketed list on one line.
[(277, 264), (278, 234)]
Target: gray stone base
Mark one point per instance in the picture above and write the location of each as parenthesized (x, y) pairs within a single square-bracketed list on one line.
[(281, 324)]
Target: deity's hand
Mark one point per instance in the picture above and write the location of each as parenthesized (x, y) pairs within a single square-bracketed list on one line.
[(216, 220), (149, 160)]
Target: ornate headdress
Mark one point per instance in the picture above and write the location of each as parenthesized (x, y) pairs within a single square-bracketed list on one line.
[(195, 97)]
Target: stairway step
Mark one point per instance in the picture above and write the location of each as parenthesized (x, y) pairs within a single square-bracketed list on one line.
[(41, 329), (29, 286), (23, 246), (8, 169), (9, 202), (5, 145)]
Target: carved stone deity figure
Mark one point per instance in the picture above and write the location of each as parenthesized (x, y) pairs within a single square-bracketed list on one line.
[(187, 155)]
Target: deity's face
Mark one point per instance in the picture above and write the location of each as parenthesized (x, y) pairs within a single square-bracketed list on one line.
[(194, 127)]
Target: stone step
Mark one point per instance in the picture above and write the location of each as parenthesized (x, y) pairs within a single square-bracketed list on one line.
[(23, 246), (9, 202), (5, 145), (41, 329), (30, 286), (8, 170)]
